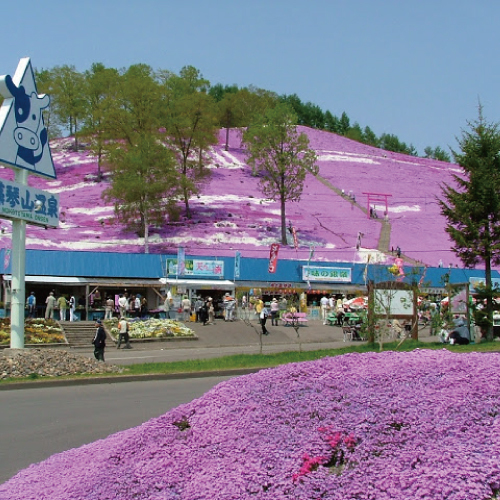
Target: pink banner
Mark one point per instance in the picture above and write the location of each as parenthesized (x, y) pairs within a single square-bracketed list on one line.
[(273, 257)]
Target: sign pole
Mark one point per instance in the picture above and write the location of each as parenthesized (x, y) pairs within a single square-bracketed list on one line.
[(24, 147), (18, 296)]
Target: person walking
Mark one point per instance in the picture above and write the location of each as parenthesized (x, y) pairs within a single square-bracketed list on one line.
[(99, 341), (264, 313), (244, 308), (123, 335), (63, 305), (186, 308), (203, 313), (31, 305), (259, 305), (211, 311), (325, 304), (72, 308), (275, 307), (51, 302), (166, 306), (198, 304), (229, 305)]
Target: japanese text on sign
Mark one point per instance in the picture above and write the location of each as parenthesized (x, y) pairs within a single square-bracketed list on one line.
[(195, 267), (338, 274), (18, 201)]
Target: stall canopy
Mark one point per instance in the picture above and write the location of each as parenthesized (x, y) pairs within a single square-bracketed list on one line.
[(71, 280), (213, 284)]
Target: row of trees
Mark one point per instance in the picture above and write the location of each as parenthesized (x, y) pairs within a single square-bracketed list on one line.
[(152, 131), (236, 108), (311, 115)]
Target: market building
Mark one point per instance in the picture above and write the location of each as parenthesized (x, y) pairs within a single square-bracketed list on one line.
[(92, 277)]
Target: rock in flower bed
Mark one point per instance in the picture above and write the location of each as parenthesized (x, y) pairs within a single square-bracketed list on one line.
[(419, 425), (151, 328), (15, 363), (36, 331)]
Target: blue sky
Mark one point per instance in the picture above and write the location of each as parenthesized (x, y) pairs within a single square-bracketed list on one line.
[(416, 69)]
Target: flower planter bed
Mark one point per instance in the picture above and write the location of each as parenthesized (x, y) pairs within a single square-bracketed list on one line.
[(152, 329), (37, 332), (375, 426)]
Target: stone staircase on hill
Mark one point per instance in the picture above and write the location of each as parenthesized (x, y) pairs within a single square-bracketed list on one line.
[(79, 333)]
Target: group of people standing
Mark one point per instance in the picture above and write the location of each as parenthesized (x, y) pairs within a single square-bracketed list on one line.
[(134, 306), (203, 310), (51, 304)]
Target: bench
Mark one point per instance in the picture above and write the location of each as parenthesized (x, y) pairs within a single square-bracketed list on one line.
[(297, 318), (332, 319)]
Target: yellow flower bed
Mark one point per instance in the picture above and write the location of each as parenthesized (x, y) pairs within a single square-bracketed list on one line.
[(36, 331), (151, 328)]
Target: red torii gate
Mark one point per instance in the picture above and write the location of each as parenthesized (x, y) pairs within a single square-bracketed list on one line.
[(374, 198)]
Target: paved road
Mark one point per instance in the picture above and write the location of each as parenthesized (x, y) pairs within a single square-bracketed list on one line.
[(39, 422), (36, 423)]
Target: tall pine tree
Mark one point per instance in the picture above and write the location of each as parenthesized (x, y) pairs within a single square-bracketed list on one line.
[(473, 210)]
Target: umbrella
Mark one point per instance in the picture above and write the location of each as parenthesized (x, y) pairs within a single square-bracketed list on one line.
[(357, 303)]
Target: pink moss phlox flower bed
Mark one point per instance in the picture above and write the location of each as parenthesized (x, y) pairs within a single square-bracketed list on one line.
[(419, 425), (230, 213)]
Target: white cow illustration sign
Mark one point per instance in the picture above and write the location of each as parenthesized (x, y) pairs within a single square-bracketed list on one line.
[(23, 136)]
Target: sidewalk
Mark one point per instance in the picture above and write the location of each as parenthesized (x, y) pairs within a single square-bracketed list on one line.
[(237, 337)]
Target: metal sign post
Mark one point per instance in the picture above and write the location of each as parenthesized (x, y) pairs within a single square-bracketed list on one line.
[(18, 291)]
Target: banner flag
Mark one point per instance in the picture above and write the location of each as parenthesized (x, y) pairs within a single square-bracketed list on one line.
[(181, 261), (421, 281), (6, 260), (273, 258), (237, 263)]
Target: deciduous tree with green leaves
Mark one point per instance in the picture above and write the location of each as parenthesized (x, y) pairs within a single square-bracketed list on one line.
[(68, 98), (44, 82), (473, 207), (281, 157), (101, 91), (144, 185), (144, 179), (189, 115)]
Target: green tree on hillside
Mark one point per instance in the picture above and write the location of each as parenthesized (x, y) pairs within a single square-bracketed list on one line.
[(144, 180), (44, 82), (332, 123), (230, 114), (242, 108), (189, 116), (473, 210), (390, 142), (144, 185), (281, 157), (100, 93), (68, 101), (437, 154)]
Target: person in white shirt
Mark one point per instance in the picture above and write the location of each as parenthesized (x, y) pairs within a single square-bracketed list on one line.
[(123, 305), (72, 308), (325, 304)]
